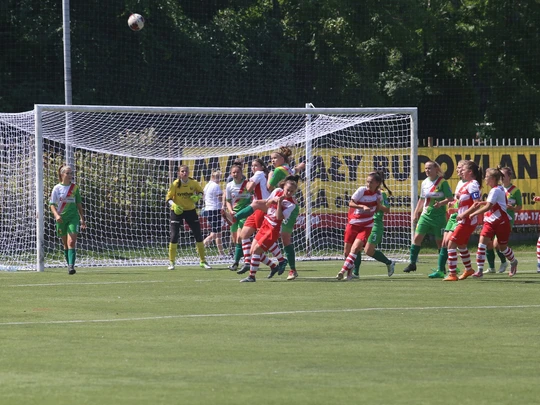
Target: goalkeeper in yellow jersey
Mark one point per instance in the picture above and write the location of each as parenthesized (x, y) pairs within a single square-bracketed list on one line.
[(182, 196)]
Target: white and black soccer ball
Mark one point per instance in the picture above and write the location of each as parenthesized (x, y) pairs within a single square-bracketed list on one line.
[(136, 22)]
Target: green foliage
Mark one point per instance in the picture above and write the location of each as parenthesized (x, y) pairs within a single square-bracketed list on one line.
[(462, 63)]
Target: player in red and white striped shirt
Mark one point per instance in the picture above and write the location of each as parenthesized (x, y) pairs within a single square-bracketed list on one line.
[(496, 223), (466, 197), (363, 204), (280, 204)]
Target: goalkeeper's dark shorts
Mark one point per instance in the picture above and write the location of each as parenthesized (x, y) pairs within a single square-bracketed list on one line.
[(192, 219)]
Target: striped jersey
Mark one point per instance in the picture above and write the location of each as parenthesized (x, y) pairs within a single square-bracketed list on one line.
[(466, 196), (287, 207), (261, 190), (497, 212), (363, 196)]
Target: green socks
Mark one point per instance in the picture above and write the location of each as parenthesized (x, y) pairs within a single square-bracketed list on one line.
[(490, 258), (244, 213), (238, 253), (357, 263), (414, 253), (380, 257), (291, 256), (501, 256), (71, 256), (443, 257)]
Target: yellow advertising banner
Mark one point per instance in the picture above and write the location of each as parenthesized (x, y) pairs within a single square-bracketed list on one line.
[(522, 160), (338, 172)]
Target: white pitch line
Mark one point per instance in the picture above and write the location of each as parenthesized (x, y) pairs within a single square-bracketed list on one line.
[(91, 283), (329, 278), (318, 311)]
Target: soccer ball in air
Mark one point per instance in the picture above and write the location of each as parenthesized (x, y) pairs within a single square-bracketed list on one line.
[(136, 22)]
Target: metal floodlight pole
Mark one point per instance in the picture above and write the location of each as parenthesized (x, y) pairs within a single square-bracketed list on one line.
[(67, 77)]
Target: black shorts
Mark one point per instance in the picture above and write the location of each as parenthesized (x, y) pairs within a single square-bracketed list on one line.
[(191, 218), (214, 219)]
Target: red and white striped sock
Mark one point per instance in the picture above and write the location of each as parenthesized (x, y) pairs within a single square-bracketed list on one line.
[(276, 252), (465, 258), (266, 260), (481, 257), (246, 249), (509, 254), (538, 252), (349, 263), (255, 262), (452, 260)]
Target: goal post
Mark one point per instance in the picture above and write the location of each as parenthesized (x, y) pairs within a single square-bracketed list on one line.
[(125, 158)]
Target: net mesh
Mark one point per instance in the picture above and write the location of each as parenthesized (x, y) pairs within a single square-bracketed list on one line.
[(124, 163)]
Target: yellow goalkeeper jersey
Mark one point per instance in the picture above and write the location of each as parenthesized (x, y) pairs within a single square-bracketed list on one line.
[(180, 193)]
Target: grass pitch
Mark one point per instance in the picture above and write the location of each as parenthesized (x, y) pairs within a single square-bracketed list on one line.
[(194, 336)]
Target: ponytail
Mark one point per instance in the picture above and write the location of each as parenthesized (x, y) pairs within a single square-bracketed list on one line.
[(379, 177)]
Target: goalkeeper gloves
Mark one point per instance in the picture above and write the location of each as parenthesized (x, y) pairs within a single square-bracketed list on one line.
[(177, 209), (195, 198)]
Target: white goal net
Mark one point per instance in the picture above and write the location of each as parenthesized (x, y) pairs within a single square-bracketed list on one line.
[(125, 158)]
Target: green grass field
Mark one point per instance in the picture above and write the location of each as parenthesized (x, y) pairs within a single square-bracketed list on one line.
[(193, 336)]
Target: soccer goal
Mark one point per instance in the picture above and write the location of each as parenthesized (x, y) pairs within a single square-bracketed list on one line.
[(124, 159)]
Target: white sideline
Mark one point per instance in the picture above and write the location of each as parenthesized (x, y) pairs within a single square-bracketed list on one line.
[(90, 283), (235, 279), (319, 311)]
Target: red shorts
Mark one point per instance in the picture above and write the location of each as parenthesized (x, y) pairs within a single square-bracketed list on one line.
[(462, 234), (255, 220), (353, 232), (267, 235), (500, 229)]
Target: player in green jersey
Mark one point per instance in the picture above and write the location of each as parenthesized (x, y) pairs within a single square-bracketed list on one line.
[(430, 212), (237, 197), (66, 206)]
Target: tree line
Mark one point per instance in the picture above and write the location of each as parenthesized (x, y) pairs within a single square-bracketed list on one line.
[(471, 67)]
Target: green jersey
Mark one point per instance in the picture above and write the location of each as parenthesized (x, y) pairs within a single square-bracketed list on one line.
[(379, 215), (65, 199), (513, 196), (238, 195), (279, 174), (433, 191)]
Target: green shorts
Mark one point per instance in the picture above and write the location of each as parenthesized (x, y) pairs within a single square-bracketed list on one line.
[(69, 226), (452, 223), (376, 234), (238, 225), (431, 225), (287, 225)]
